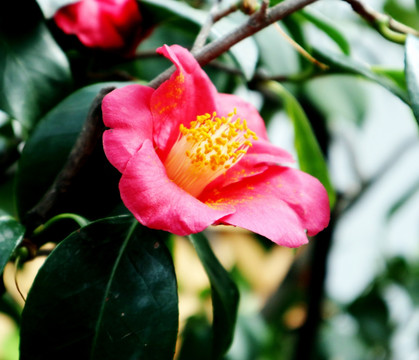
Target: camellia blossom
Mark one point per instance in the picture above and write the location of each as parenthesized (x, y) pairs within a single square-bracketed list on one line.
[(191, 157), (103, 24)]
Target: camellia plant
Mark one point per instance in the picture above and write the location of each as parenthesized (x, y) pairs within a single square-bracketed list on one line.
[(129, 126)]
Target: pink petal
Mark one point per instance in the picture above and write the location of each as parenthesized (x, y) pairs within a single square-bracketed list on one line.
[(159, 203), (126, 111), (258, 158), (280, 204), (188, 93)]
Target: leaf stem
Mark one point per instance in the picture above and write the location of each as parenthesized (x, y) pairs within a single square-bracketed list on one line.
[(81, 221)]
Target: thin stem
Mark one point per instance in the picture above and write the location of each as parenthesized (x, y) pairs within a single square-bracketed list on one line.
[(386, 25), (300, 49)]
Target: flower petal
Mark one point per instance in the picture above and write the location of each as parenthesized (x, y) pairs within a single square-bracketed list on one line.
[(159, 203), (280, 204), (126, 111), (100, 24), (188, 93)]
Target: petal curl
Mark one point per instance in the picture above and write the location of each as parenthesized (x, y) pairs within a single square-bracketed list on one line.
[(126, 111), (159, 203), (280, 204), (189, 92)]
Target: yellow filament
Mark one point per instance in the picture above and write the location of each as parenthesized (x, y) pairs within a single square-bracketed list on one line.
[(206, 149)]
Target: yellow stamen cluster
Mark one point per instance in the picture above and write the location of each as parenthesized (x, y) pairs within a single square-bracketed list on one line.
[(206, 149)]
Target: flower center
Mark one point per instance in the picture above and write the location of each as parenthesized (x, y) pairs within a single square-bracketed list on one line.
[(206, 149)]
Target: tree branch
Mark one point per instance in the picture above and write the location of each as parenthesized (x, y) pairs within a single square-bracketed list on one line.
[(377, 20), (82, 149), (215, 15), (258, 21)]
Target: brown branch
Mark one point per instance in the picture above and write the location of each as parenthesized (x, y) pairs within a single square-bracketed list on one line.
[(82, 149), (374, 18), (258, 21), (215, 15)]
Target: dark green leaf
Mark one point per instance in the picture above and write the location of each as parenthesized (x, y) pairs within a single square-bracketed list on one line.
[(48, 148), (345, 65), (245, 53), (310, 156), (11, 235), (224, 293), (324, 24), (106, 292), (412, 72), (196, 339), (35, 72)]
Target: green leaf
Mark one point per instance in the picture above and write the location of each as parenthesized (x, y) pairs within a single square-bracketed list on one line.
[(339, 97), (35, 71), (324, 24), (11, 235), (245, 53), (50, 7), (196, 339), (224, 293), (412, 72), (48, 149), (342, 64), (108, 291), (396, 75), (310, 156)]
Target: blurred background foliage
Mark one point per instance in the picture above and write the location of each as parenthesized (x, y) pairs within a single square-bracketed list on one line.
[(353, 292)]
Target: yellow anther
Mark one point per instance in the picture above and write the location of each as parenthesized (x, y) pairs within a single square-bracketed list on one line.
[(211, 144)]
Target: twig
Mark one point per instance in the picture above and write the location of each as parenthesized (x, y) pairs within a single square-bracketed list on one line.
[(215, 15), (300, 49), (377, 20), (258, 21), (82, 149)]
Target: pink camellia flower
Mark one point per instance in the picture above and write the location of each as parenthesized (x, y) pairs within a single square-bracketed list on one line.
[(191, 157), (103, 24)]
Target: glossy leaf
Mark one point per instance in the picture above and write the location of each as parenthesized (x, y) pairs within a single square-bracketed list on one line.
[(106, 292), (35, 71), (345, 65), (170, 8), (224, 293), (310, 156), (412, 72), (324, 24), (49, 7), (48, 149), (11, 235)]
